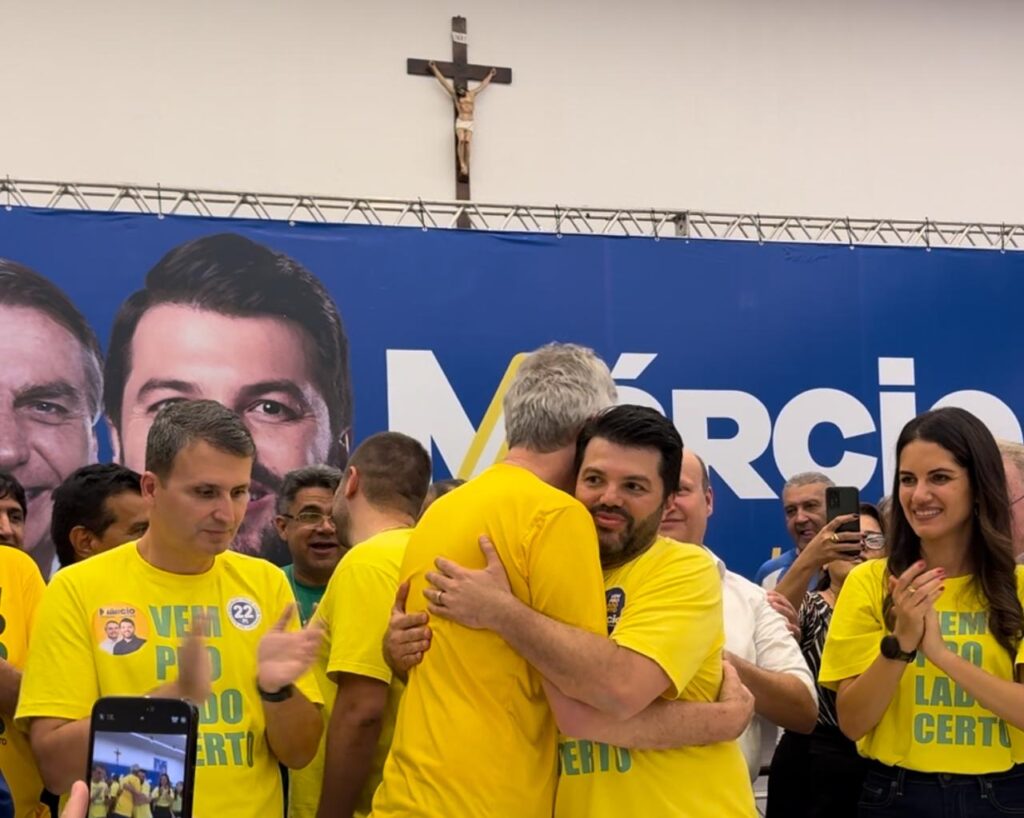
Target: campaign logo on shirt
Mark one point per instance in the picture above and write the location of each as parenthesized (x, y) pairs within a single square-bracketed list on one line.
[(615, 600), (120, 628), (244, 613)]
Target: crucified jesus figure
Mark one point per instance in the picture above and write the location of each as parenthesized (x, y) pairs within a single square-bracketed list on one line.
[(464, 100)]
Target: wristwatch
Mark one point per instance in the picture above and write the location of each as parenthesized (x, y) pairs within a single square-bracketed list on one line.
[(281, 695), (891, 649)]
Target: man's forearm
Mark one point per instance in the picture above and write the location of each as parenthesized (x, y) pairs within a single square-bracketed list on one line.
[(781, 698), (62, 749), (580, 664), (796, 580), (662, 725), (10, 687), (348, 762), (294, 727)]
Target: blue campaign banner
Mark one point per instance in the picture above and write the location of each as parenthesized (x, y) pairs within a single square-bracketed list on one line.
[(771, 359)]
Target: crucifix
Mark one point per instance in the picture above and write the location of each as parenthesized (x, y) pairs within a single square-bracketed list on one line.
[(460, 72)]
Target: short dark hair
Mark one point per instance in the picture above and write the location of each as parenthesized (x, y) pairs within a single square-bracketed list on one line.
[(308, 477), (871, 510), (637, 427), (129, 621), (232, 275), (10, 487), (178, 425), (21, 286), (81, 501), (394, 471)]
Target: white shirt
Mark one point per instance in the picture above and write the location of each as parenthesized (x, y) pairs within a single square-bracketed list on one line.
[(756, 632)]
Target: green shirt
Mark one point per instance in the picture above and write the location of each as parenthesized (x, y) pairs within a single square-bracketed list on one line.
[(307, 596)]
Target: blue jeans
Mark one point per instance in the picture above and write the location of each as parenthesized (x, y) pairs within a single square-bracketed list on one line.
[(894, 791)]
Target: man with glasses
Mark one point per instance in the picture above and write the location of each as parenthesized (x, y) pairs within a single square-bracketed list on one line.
[(304, 523)]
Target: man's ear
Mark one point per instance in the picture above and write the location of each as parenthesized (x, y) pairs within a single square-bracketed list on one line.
[(147, 485), (351, 482), (280, 523), (83, 541), (709, 495)]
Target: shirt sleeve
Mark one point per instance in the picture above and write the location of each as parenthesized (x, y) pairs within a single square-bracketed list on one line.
[(60, 639), (776, 648), (283, 597), (856, 630), (360, 605), (564, 569), (32, 595), (674, 617)]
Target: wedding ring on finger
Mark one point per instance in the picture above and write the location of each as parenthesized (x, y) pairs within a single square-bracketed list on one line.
[(440, 597), (834, 538), (912, 590)]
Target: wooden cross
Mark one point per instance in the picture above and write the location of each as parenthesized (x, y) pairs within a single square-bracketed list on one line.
[(460, 72)]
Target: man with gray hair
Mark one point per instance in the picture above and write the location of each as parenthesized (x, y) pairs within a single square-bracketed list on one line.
[(803, 503), (475, 734), (1013, 462), (305, 524)]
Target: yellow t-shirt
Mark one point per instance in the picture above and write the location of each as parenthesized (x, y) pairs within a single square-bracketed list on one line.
[(21, 589), (242, 597), (143, 789), (163, 798), (99, 792), (666, 605), (124, 802), (475, 735), (354, 611), (932, 724)]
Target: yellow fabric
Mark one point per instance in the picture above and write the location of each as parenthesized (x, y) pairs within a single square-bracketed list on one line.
[(164, 798), (931, 724), (21, 589), (142, 788), (242, 597), (124, 804), (99, 792), (475, 735), (354, 611), (666, 605)]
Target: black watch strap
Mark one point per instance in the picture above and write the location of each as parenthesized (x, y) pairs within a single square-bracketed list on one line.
[(891, 649), (281, 695)]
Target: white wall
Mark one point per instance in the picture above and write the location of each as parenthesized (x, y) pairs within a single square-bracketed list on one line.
[(904, 108)]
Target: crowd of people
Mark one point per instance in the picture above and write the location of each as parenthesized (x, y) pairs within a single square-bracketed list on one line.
[(134, 794), (552, 637)]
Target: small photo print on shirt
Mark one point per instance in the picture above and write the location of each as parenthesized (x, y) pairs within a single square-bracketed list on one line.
[(615, 599), (121, 628)]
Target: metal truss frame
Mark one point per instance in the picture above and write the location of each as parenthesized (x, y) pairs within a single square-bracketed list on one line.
[(654, 223)]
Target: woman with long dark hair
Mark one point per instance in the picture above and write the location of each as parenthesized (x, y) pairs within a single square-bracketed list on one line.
[(162, 797), (924, 646)]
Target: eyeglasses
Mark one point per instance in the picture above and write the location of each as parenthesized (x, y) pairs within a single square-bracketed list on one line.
[(311, 518), (1014, 502), (874, 542)]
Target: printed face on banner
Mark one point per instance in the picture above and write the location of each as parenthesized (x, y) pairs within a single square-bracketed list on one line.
[(259, 367), (45, 422)]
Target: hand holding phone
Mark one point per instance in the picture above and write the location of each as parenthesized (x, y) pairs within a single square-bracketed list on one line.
[(140, 751), (843, 501)]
